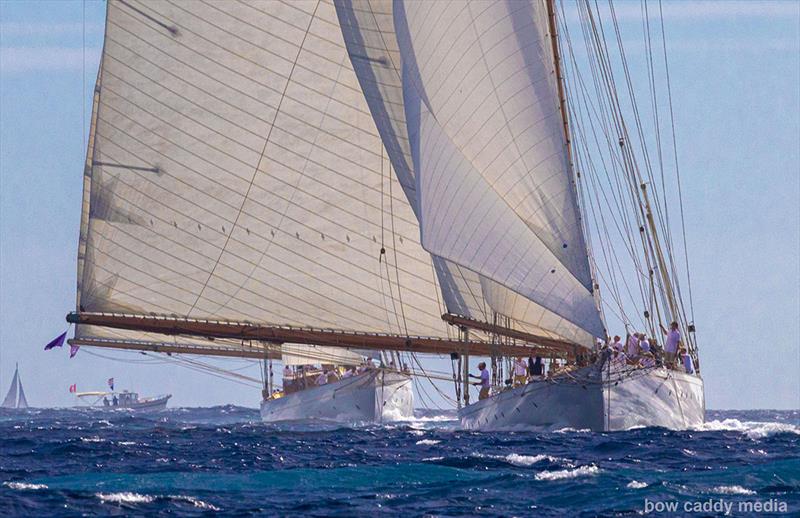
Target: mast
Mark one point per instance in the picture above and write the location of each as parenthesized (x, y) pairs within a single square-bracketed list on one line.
[(563, 108)]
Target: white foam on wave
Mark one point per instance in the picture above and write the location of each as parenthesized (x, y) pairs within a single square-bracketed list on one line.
[(195, 502), (24, 485), (753, 429), (92, 439), (635, 484), (582, 471), (125, 498), (732, 490), (572, 430), (428, 442), (525, 460)]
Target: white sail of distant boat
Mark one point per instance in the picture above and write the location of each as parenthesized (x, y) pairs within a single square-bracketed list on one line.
[(313, 181), (15, 398)]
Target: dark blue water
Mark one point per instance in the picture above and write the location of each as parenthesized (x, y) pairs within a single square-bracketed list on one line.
[(223, 460)]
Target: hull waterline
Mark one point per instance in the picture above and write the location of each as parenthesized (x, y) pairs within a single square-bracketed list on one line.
[(372, 397)]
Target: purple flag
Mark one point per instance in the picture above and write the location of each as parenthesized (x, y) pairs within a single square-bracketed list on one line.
[(73, 350), (56, 342)]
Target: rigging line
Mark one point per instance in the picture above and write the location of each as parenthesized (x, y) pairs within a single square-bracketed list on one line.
[(394, 246), (613, 149), (261, 157), (295, 189), (619, 202), (626, 151), (425, 375), (675, 152)]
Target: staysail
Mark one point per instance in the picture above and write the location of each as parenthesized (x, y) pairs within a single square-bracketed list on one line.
[(11, 397), (465, 97), (235, 172)]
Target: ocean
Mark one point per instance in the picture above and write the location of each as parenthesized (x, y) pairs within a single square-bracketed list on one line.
[(223, 460)]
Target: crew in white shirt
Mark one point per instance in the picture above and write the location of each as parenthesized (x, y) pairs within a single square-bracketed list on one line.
[(671, 347), (520, 372)]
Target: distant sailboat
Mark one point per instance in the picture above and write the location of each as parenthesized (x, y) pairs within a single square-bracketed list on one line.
[(16, 395)]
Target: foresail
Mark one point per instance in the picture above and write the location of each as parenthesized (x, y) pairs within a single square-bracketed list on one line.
[(11, 397), (235, 172), (484, 143)]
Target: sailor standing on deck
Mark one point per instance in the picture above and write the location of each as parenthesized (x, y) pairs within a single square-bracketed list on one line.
[(484, 381), (671, 347), (520, 372)]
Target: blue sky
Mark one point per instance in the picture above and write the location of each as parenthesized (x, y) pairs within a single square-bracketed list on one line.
[(735, 70)]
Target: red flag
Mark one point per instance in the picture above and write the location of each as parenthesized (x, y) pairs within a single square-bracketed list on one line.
[(73, 388)]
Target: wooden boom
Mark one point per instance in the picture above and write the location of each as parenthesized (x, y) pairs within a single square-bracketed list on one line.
[(543, 343), (257, 351), (214, 329)]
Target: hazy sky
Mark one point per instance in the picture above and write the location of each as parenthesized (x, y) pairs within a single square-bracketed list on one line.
[(736, 90)]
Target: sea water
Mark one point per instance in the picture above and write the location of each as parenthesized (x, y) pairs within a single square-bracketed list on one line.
[(224, 460)]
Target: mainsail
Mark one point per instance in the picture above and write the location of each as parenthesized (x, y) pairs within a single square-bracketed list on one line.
[(235, 172)]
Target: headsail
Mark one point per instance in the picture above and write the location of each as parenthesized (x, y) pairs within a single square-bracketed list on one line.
[(481, 137), (11, 397), (235, 172)]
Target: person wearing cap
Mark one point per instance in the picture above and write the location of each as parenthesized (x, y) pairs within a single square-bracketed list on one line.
[(484, 383)]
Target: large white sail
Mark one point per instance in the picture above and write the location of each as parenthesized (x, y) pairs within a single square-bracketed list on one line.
[(235, 172), (481, 136)]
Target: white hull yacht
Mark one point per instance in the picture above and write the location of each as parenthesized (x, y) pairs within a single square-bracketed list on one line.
[(597, 398), (375, 396)]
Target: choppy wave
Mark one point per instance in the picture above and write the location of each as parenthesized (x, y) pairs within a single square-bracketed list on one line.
[(582, 471), (125, 498), (224, 459), (24, 485), (752, 429), (732, 490)]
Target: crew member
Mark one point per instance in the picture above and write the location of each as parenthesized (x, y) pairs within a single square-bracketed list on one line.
[(484, 383), (671, 347), (520, 372)]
